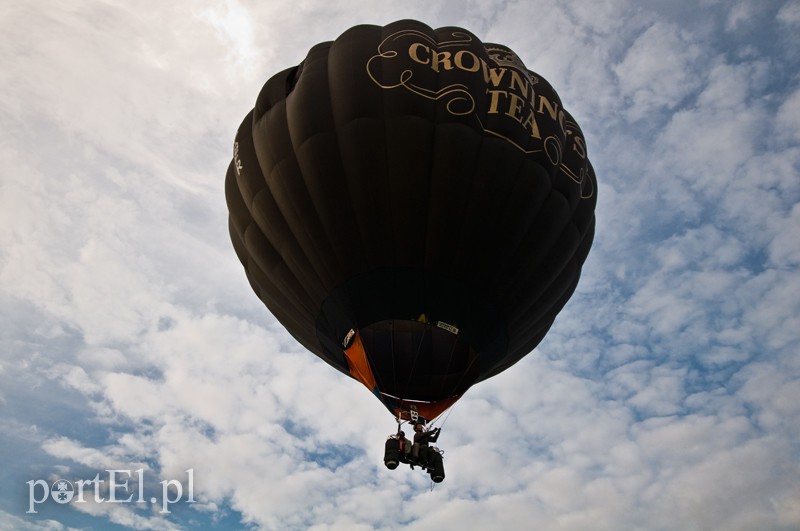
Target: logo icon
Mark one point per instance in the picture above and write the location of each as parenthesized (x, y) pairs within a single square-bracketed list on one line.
[(62, 491)]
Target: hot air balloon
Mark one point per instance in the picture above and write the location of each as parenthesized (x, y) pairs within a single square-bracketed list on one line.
[(414, 206)]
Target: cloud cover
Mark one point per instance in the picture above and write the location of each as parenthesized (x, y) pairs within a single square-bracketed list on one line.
[(664, 398)]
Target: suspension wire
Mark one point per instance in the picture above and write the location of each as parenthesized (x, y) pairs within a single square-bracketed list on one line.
[(391, 344), (449, 362), (414, 364), (463, 374), (375, 372), (448, 410)]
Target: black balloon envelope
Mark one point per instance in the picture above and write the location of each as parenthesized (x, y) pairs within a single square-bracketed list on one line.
[(414, 206)]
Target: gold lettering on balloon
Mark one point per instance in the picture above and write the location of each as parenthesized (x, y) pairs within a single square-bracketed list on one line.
[(237, 161), (512, 92), (425, 51)]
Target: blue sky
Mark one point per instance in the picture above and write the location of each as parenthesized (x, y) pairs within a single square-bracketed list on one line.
[(666, 396)]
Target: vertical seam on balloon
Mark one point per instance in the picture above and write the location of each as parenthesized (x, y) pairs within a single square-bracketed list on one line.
[(338, 253), (463, 219), (320, 273), (254, 263), (268, 190), (348, 183), (430, 206), (302, 251), (390, 199), (339, 143), (249, 207), (394, 369), (389, 202)]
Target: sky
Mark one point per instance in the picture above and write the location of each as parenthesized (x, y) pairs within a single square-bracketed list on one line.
[(665, 397)]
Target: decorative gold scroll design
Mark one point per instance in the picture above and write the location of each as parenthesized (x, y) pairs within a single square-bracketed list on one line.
[(457, 92), (500, 56), (577, 145), (460, 101), (552, 145)]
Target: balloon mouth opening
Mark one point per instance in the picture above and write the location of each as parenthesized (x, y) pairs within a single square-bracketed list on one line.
[(419, 361), (411, 367), (416, 338)]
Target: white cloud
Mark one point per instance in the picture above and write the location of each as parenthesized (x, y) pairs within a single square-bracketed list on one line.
[(784, 249), (707, 143), (739, 14), (659, 70), (788, 118), (12, 522), (664, 396), (789, 14)]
